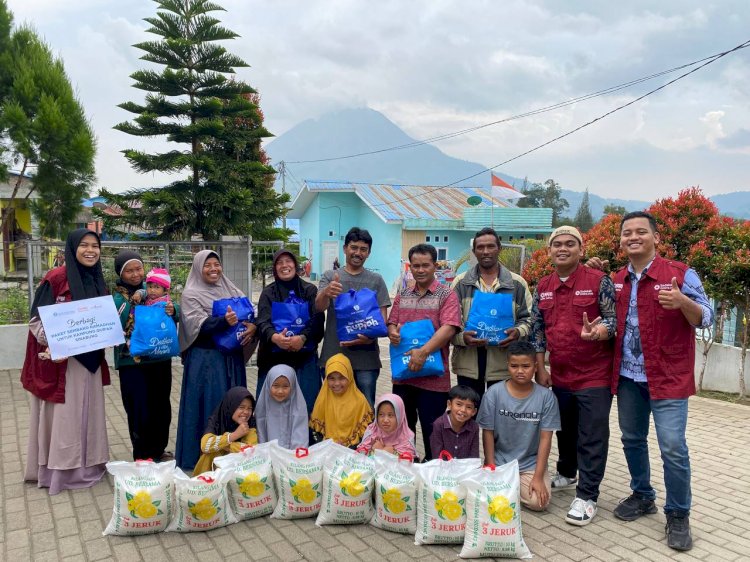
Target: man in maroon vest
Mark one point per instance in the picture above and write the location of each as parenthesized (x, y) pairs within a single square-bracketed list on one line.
[(574, 319), (659, 304)]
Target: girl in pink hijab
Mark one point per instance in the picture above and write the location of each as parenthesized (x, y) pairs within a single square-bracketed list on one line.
[(389, 432)]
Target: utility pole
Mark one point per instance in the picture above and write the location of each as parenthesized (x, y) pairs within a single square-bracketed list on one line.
[(282, 169)]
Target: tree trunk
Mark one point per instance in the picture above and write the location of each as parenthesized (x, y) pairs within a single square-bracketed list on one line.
[(708, 342), (743, 348)]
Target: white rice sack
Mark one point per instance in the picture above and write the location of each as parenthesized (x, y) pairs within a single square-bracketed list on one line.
[(299, 480), (396, 485), (251, 488), (441, 508), (144, 497), (348, 479), (202, 502), (493, 508)]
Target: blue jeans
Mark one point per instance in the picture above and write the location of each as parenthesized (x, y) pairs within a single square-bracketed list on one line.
[(366, 383), (634, 406)]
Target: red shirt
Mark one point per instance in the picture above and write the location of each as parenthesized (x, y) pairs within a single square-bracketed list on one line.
[(440, 305)]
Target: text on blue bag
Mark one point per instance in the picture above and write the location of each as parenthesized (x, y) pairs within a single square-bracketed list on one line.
[(414, 335), (230, 340), (357, 312), (154, 333), (490, 315)]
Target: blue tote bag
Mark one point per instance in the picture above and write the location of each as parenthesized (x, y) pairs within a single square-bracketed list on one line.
[(490, 315), (230, 340), (293, 315), (154, 333), (357, 312), (413, 335)]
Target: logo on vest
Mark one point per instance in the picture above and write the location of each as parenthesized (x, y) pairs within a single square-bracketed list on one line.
[(618, 286), (548, 295), (663, 287), (585, 293)]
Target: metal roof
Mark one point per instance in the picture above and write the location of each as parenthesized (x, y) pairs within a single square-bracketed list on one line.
[(400, 202)]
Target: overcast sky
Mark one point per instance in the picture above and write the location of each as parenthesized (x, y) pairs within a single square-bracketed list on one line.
[(436, 66)]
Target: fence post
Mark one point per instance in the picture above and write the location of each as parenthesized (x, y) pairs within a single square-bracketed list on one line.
[(30, 271), (523, 257), (250, 268), (166, 256)]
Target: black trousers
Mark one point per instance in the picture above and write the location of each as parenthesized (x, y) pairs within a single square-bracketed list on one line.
[(145, 390), (428, 405), (478, 383), (583, 440)]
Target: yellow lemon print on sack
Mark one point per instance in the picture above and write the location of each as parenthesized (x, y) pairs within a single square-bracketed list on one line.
[(252, 485), (204, 510), (350, 485), (303, 491), (142, 506), (500, 509), (393, 502), (448, 506)]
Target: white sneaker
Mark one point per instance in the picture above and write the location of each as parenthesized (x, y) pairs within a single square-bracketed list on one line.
[(560, 482), (581, 512)]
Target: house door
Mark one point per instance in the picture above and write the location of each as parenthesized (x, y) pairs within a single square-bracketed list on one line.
[(330, 253)]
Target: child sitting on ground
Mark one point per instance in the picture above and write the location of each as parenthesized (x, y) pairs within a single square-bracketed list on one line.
[(282, 412), (389, 432), (230, 427), (341, 411), (517, 418), (456, 431)]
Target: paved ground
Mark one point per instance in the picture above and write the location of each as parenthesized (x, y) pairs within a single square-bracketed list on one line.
[(35, 526)]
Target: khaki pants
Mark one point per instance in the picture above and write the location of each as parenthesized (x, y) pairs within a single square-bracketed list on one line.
[(530, 500)]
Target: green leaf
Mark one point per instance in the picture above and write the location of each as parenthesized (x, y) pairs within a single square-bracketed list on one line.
[(436, 496), (157, 503), (128, 496)]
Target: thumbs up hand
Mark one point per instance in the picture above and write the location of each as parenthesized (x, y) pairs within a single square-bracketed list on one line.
[(334, 288), (672, 298), (231, 316), (394, 333)]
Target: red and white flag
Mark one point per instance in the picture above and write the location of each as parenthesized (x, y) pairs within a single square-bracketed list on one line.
[(503, 190)]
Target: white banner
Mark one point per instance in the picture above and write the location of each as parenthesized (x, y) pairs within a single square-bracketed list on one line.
[(81, 326)]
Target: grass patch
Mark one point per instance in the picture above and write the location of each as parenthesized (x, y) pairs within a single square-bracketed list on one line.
[(724, 397)]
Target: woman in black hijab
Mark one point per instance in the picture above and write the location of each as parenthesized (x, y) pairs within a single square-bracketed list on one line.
[(68, 445), (144, 385), (299, 351)]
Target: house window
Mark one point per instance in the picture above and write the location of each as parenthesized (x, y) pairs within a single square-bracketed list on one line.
[(445, 238), (427, 238), (437, 238), (442, 254)]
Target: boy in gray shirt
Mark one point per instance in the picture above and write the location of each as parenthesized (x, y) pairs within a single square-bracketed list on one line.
[(517, 418)]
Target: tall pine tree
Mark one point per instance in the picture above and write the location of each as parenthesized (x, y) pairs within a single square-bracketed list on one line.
[(43, 130), (583, 219), (192, 102)]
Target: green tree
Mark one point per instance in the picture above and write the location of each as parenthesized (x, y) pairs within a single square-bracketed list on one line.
[(546, 196), (583, 219), (192, 102), (43, 130), (612, 209)]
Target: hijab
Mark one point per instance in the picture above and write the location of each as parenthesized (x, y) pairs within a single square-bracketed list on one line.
[(282, 288), (287, 420), (401, 439), (123, 258), (345, 417), (198, 298), (84, 282), (220, 421)]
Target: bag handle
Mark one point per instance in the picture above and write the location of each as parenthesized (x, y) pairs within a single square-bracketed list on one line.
[(206, 479), (445, 456), (301, 452), (144, 460), (489, 466), (406, 457)]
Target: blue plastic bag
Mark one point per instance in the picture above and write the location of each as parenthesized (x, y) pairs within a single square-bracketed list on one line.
[(230, 340), (357, 312), (413, 335), (293, 315), (154, 333), (490, 315)]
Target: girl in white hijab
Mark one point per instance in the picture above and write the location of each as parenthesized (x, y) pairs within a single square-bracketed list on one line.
[(281, 412)]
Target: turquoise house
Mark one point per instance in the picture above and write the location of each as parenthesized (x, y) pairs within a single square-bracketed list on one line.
[(400, 216)]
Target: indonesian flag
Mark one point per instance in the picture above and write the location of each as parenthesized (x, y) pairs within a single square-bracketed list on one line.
[(503, 190)]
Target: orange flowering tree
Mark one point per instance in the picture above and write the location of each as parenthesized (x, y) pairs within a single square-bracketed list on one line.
[(682, 221), (722, 259)]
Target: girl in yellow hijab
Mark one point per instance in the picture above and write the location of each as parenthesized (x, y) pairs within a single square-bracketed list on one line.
[(341, 411)]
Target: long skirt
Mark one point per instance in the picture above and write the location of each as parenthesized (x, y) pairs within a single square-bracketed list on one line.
[(68, 445), (207, 376)]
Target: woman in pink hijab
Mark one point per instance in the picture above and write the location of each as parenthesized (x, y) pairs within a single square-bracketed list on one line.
[(389, 432)]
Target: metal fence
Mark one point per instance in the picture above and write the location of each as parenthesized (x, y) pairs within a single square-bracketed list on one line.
[(246, 262)]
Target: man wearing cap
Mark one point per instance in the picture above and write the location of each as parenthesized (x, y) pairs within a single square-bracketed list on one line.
[(474, 362), (574, 319)]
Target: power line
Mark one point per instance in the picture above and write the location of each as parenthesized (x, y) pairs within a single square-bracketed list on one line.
[(571, 101), (599, 118)]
